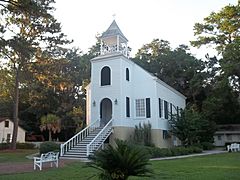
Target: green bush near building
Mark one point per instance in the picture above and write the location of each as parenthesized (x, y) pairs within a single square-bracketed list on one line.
[(49, 146)]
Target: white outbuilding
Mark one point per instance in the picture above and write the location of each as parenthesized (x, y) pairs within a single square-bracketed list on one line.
[(6, 131)]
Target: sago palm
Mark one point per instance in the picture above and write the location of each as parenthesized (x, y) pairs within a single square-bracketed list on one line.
[(121, 161)]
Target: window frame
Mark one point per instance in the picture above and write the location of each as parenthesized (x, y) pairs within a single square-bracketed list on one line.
[(105, 76), (165, 134), (140, 108), (127, 74), (6, 124)]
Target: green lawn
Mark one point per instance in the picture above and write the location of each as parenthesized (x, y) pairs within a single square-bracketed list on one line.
[(16, 156), (212, 167)]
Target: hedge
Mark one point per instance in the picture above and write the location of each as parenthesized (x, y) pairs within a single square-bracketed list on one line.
[(18, 146), (49, 146), (175, 151)]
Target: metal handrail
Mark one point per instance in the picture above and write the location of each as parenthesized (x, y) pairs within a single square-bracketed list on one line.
[(79, 137)]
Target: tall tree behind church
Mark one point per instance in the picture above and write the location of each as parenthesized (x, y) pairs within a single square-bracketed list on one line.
[(23, 32), (221, 31), (177, 67)]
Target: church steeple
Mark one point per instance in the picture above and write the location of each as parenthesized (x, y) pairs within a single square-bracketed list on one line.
[(113, 40)]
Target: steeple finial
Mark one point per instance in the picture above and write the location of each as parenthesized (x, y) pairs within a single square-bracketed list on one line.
[(114, 16)]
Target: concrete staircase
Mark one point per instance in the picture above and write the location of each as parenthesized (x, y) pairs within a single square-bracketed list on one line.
[(86, 142)]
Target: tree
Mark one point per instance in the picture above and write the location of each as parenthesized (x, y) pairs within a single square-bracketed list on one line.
[(177, 67), (222, 31), (219, 29), (23, 33), (191, 127), (6, 98), (230, 64), (20, 5), (221, 105), (121, 161), (51, 123)]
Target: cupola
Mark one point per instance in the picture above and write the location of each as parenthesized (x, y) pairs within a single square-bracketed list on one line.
[(113, 41)]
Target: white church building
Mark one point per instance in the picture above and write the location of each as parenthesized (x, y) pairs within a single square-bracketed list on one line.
[(122, 94)]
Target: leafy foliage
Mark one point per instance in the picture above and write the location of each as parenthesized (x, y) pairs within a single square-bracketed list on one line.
[(219, 29), (52, 123), (191, 127), (46, 147), (27, 27), (222, 104), (177, 67), (121, 161), (142, 134)]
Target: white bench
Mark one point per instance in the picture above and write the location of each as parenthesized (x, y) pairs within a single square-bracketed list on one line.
[(233, 147), (48, 157)]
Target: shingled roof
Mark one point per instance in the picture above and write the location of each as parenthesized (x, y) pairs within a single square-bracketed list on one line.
[(113, 30), (4, 118)]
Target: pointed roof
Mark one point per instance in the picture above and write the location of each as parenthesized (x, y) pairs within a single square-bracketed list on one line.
[(113, 30)]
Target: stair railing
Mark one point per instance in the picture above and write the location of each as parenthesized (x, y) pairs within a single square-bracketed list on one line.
[(100, 138), (65, 147)]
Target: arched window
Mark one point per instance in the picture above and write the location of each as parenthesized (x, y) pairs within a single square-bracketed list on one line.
[(127, 74), (105, 76)]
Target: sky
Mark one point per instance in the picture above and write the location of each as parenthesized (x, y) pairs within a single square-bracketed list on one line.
[(141, 21)]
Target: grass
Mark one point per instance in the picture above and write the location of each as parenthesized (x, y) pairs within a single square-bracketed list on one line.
[(16, 156), (217, 167)]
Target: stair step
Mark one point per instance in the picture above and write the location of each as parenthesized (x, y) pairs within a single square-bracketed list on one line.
[(80, 149), (74, 157), (83, 159)]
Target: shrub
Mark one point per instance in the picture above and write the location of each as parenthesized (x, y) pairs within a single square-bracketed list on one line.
[(142, 134), (159, 152), (121, 161), (49, 146), (164, 152), (19, 146), (207, 145), (25, 146), (175, 151), (195, 149), (4, 146)]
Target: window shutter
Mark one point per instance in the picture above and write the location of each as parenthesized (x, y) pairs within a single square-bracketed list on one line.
[(160, 107), (171, 109), (165, 109), (148, 108), (127, 107)]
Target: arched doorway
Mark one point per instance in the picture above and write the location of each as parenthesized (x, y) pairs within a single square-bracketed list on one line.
[(105, 111)]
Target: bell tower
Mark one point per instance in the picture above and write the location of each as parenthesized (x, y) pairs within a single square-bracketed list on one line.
[(113, 41)]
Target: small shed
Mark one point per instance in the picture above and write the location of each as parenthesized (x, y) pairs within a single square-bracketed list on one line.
[(227, 134), (6, 131)]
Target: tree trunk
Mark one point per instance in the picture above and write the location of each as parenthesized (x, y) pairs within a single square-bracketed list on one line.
[(15, 111), (49, 135)]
